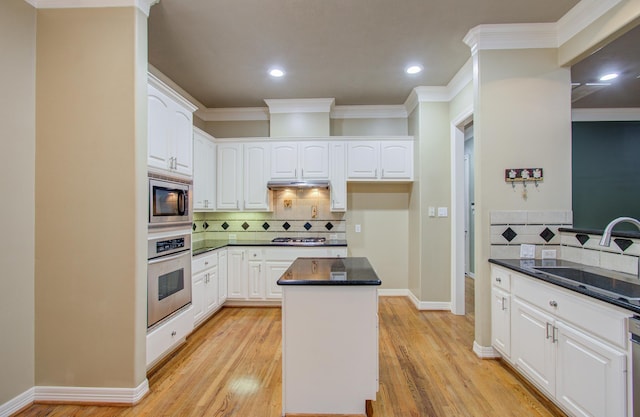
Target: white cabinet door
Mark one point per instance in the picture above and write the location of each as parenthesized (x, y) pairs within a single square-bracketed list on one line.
[(229, 178), (211, 290), (204, 172), (222, 276), (591, 377), (169, 130), (533, 349), (396, 160), (237, 279), (275, 269), (198, 295), (501, 321), (362, 160), (338, 177), (256, 280), (158, 129), (313, 160), (182, 143), (257, 167), (284, 160)]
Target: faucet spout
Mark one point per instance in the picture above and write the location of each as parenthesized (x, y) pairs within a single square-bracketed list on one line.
[(606, 234)]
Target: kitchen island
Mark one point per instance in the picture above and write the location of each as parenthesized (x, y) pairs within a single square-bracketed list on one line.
[(329, 336)]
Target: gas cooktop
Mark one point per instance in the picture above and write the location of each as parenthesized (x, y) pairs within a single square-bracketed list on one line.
[(303, 241)]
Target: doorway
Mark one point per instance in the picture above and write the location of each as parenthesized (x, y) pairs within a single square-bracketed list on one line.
[(469, 205)]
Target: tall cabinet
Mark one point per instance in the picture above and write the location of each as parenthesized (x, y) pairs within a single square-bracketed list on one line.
[(170, 130), (204, 171)]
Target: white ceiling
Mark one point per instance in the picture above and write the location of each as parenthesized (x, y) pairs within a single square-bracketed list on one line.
[(355, 51)]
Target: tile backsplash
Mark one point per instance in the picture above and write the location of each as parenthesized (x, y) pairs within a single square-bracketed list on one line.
[(512, 228), (303, 212)]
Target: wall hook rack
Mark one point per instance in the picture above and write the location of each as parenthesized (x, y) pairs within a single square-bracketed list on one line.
[(523, 175)]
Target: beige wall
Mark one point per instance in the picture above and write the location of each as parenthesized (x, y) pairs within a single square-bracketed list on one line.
[(238, 129), (17, 147), (415, 217), (369, 127), (299, 125), (435, 191), (522, 119), (382, 212), (90, 199)]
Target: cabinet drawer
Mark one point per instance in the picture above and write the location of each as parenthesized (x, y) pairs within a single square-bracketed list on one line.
[(168, 336), (500, 278), (589, 314), (254, 254), (204, 261)]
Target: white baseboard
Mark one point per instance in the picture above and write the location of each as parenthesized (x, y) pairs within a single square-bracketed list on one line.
[(393, 293), (76, 395), (429, 305), (92, 395), (485, 352), (18, 403)]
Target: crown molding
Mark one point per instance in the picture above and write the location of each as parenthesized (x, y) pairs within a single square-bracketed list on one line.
[(143, 5), (369, 112), (463, 77), (605, 115), (300, 105), (168, 89), (512, 36), (582, 15), (232, 114)]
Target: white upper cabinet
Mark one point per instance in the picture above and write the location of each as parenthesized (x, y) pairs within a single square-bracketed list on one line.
[(170, 130), (300, 160), (257, 164), (229, 178), (380, 160), (338, 176), (204, 171)]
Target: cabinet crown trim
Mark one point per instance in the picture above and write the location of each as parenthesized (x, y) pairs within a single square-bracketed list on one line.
[(143, 5)]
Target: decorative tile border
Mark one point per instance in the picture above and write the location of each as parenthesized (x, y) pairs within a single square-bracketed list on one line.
[(623, 255), (512, 228)]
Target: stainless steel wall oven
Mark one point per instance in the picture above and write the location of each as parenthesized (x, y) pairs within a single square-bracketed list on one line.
[(168, 275)]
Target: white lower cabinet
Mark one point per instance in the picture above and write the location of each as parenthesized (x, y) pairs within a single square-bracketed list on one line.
[(205, 286), (572, 347), (164, 338), (253, 272)]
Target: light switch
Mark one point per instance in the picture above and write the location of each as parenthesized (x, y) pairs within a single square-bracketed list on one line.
[(358, 228), (443, 212), (432, 212)]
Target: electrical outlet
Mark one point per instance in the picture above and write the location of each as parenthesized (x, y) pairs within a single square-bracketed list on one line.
[(358, 228), (432, 212), (548, 254)]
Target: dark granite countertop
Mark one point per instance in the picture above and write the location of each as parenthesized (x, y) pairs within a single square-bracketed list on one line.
[(330, 271), (203, 246), (588, 284)]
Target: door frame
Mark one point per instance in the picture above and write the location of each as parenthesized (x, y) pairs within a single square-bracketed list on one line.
[(457, 210)]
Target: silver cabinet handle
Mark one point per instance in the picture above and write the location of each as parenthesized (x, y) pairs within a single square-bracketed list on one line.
[(553, 303), (498, 279), (548, 333), (503, 305), (173, 333), (555, 334), (237, 204), (382, 172), (376, 172), (302, 172)]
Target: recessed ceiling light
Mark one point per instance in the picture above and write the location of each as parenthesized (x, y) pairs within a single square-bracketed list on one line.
[(276, 72), (413, 69), (608, 77)]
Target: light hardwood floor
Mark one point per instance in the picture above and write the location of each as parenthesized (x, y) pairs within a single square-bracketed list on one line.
[(231, 366)]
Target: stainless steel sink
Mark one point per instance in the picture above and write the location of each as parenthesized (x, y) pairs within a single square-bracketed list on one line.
[(595, 282)]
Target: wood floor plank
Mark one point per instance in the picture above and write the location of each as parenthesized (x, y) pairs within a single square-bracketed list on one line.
[(232, 366)]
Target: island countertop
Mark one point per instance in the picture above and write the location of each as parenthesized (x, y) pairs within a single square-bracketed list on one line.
[(330, 271)]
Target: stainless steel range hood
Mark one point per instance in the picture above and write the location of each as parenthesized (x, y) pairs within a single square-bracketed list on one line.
[(293, 184)]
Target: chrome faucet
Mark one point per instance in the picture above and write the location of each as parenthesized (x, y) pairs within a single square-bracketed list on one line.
[(606, 234)]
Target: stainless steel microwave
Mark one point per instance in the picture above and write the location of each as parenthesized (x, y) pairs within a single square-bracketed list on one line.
[(169, 203)]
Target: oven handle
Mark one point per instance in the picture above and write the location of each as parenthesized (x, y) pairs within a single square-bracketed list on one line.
[(182, 203), (168, 258)]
